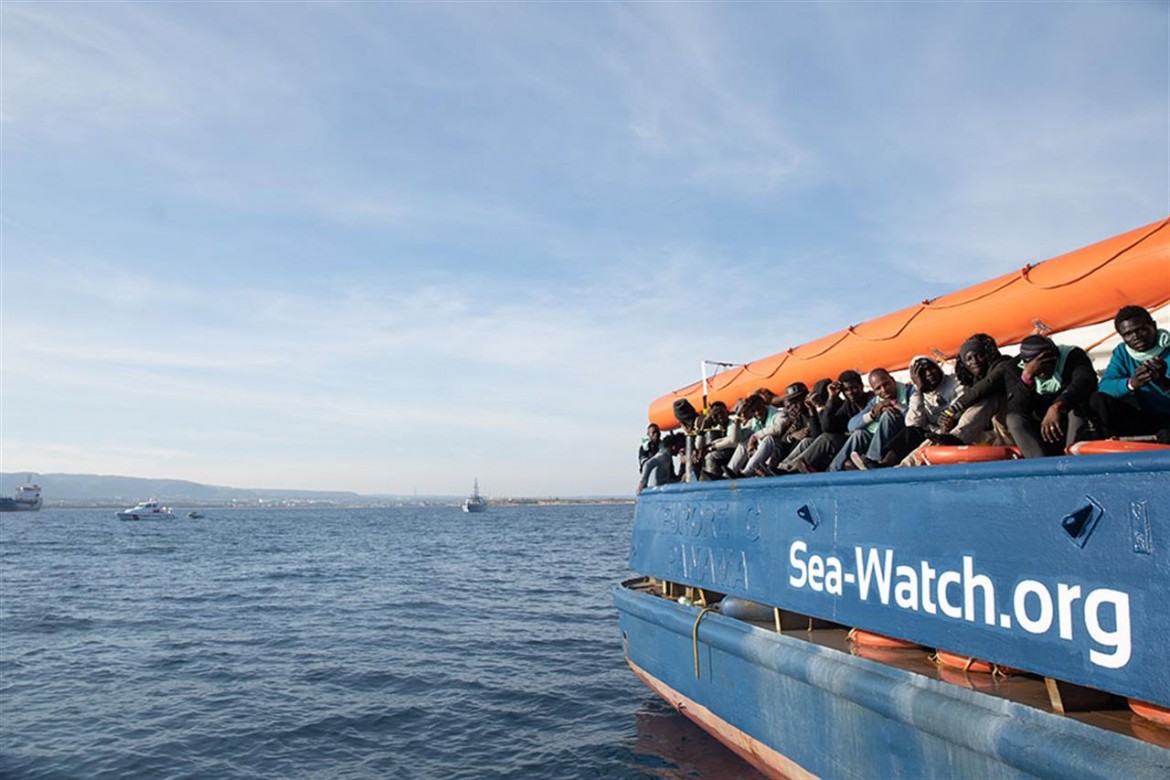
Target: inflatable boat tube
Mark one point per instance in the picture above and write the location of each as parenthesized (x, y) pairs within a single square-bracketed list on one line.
[(1083, 287)]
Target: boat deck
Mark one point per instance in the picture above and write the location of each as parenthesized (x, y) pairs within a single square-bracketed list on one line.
[(1087, 705)]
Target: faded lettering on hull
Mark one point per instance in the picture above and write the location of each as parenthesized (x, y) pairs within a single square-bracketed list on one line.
[(721, 566), (709, 521)]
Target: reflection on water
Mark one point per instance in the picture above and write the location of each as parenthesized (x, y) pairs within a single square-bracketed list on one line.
[(685, 751)]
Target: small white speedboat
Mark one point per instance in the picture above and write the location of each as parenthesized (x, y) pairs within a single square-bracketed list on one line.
[(147, 510)]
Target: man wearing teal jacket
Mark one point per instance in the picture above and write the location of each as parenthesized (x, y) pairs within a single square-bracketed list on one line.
[(1134, 392)]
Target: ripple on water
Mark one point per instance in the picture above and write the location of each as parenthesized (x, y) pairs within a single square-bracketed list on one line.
[(406, 643)]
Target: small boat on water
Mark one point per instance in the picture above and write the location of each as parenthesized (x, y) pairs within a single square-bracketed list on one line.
[(978, 619), (475, 502), (194, 515), (27, 499), (147, 510)]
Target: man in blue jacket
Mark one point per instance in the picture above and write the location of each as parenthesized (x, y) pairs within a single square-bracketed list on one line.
[(1134, 393)]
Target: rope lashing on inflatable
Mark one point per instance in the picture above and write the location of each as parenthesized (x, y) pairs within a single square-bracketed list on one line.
[(965, 664), (1091, 271)]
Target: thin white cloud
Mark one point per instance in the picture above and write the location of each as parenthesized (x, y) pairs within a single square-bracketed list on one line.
[(974, 153), (74, 69), (232, 344), (690, 107)]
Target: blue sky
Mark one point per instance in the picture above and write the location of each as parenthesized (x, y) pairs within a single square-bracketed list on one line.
[(393, 247)]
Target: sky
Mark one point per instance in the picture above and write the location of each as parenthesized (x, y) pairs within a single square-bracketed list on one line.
[(394, 247)]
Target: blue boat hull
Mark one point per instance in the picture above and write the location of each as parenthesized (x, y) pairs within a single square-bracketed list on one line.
[(9, 505), (831, 714), (1059, 567)]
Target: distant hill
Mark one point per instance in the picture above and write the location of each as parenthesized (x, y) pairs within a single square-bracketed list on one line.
[(98, 488), (108, 490)]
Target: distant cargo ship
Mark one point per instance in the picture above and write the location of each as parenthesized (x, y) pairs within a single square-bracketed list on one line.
[(27, 499)]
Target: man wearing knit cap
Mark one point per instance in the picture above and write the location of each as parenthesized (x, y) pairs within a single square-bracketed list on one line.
[(977, 356), (1135, 389), (1045, 391)]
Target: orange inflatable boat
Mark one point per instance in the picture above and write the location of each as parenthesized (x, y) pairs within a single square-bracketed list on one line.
[(1084, 287)]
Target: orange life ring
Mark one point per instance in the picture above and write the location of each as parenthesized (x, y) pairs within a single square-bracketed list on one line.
[(969, 664), (890, 656), (870, 639), (1110, 446), (1159, 715), (939, 454)]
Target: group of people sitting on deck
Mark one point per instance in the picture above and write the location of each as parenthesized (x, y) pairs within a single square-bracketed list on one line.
[(1043, 399)]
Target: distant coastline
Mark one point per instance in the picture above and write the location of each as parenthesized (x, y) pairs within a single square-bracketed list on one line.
[(96, 491), (102, 491), (372, 504)]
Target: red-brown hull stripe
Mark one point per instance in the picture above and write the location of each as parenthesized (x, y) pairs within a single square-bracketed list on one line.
[(756, 753)]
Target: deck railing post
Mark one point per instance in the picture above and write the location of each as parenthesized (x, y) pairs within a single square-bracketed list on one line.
[(689, 473)]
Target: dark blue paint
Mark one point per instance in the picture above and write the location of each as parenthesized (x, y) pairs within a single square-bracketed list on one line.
[(845, 717)]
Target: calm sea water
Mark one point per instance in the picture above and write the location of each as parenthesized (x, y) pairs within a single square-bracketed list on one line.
[(394, 643)]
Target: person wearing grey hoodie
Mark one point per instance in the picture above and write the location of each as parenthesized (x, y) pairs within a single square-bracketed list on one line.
[(936, 389)]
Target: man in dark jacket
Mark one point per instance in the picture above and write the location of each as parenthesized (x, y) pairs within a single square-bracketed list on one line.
[(1045, 393), (846, 398)]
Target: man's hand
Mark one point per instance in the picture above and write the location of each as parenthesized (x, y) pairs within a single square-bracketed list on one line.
[(1032, 366), (916, 375), (1153, 370), (1144, 374), (1052, 426)]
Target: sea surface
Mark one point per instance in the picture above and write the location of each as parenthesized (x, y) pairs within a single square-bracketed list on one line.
[(414, 642)]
